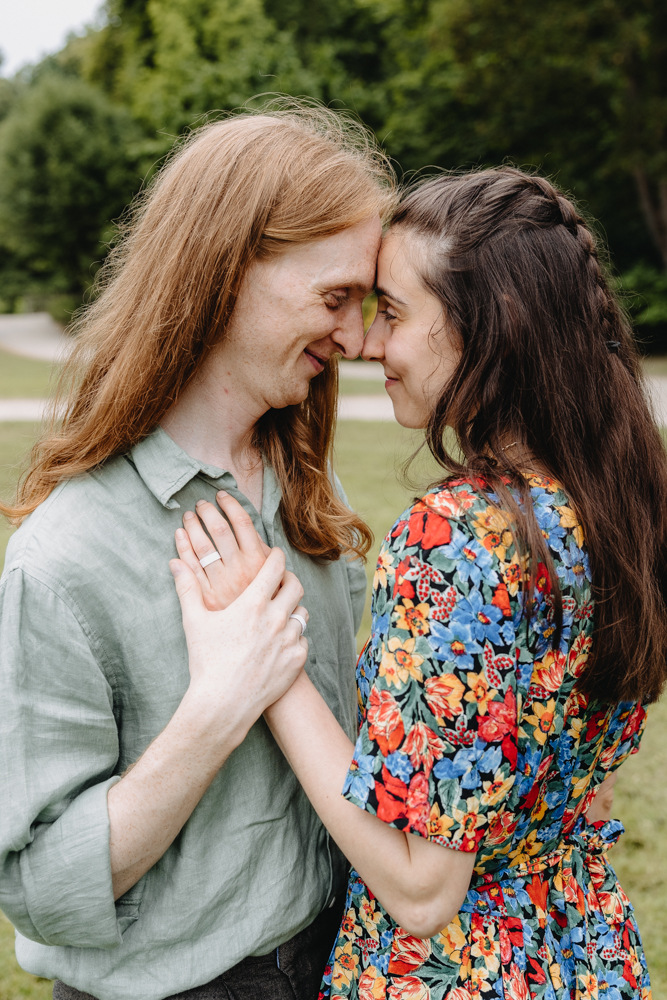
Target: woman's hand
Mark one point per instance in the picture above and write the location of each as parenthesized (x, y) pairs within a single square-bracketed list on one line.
[(250, 653), (242, 552)]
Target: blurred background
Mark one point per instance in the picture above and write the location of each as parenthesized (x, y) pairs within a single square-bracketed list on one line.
[(92, 98), (577, 88)]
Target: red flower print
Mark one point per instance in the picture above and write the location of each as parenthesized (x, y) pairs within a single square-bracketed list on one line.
[(418, 807), (443, 696), (595, 724), (500, 721), (538, 890), (425, 528), (391, 794), (412, 569), (408, 952), (501, 829), (385, 724), (423, 747), (516, 987), (549, 672), (408, 988), (635, 722), (501, 599)]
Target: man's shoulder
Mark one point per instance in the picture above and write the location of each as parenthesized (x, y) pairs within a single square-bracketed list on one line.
[(78, 516)]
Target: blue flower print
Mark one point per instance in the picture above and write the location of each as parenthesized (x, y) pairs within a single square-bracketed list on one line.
[(482, 618), (473, 561), (527, 766), (454, 645), (360, 779), (574, 569), (399, 765), (467, 764)]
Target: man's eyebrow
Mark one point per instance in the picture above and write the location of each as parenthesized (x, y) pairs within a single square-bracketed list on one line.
[(381, 292)]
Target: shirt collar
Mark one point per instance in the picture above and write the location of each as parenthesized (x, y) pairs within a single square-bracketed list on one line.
[(165, 468)]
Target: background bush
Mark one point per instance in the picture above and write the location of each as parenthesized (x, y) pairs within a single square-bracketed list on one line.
[(575, 88)]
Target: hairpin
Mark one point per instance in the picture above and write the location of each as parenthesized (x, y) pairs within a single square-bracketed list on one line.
[(613, 346)]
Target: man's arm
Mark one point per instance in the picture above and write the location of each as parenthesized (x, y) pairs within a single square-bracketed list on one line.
[(59, 836), (241, 660)]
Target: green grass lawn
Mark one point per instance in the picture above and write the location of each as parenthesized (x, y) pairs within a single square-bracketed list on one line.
[(368, 456), (23, 377)]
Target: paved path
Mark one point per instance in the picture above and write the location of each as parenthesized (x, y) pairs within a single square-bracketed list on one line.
[(36, 335)]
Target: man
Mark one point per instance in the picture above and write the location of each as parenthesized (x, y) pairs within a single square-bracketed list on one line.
[(204, 365)]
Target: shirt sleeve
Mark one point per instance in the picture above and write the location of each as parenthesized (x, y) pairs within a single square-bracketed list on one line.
[(437, 748), (58, 753)]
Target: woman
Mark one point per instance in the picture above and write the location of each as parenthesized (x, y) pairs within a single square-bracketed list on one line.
[(519, 621)]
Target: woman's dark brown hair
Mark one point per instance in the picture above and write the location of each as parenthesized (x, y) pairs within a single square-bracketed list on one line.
[(549, 362), (237, 190)]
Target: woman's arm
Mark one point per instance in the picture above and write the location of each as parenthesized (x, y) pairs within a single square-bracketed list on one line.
[(421, 885)]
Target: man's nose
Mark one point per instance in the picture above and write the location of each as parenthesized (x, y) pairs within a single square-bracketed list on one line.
[(350, 335)]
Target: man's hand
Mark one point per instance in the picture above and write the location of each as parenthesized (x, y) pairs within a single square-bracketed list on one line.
[(241, 660), (242, 552)]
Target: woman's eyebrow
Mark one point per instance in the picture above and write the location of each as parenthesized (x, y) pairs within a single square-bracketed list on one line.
[(387, 295)]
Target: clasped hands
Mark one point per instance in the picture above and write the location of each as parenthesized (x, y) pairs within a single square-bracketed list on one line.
[(243, 646)]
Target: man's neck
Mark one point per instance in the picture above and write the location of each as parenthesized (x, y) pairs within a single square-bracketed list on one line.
[(213, 422)]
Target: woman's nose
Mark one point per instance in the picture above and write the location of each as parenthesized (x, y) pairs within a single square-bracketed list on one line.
[(373, 349)]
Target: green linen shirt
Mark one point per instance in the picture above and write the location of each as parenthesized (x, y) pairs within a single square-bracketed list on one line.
[(93, 666)]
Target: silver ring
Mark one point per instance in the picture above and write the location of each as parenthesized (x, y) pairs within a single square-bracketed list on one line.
[(302, 621), (210, 558)]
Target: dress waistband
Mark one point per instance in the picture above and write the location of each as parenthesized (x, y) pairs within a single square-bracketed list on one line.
[(589, 839)]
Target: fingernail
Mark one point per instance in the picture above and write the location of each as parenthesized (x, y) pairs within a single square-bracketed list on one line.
[(175, 567), (181, 534), (199, 503), (222, 493), (188, 514)]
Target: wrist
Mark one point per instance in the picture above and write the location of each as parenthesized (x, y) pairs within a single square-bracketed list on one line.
[(220, 728)]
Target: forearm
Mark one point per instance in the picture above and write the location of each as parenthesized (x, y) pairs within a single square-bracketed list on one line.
[(150, 805), (410, 876)]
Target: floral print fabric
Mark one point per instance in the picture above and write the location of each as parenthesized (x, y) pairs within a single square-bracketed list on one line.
[(473, 736)]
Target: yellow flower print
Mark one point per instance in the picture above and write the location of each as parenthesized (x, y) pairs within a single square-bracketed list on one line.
[(385, 562), (346, 967), (479, 981), (438, 825), (486, 947), (372, 985), (568, 519), (512, 576), (399, 661), (588, 986), (495, 791), (580, 785), (492, 527), (370, 917), (469, 821), (527, 849), (541, 719), (479, 692), (349, 927), (452, 940), (413, 618)]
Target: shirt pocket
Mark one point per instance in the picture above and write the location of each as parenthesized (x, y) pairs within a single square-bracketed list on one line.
[(128, 906)]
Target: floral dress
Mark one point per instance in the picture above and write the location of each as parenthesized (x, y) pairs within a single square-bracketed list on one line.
[(473, 736)]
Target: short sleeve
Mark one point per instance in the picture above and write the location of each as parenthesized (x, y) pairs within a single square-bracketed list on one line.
[(437, 748), (58, 756)]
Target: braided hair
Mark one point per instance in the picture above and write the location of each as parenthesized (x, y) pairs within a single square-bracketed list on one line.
[(548, 360)]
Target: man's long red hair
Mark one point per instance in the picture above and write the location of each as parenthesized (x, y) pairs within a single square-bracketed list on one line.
[(239, 189)]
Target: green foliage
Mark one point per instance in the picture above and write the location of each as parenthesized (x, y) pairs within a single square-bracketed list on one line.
[(643, 290), (65, 172)]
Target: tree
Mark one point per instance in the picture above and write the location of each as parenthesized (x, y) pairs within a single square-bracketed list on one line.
[(576, 88), (65, 172)]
